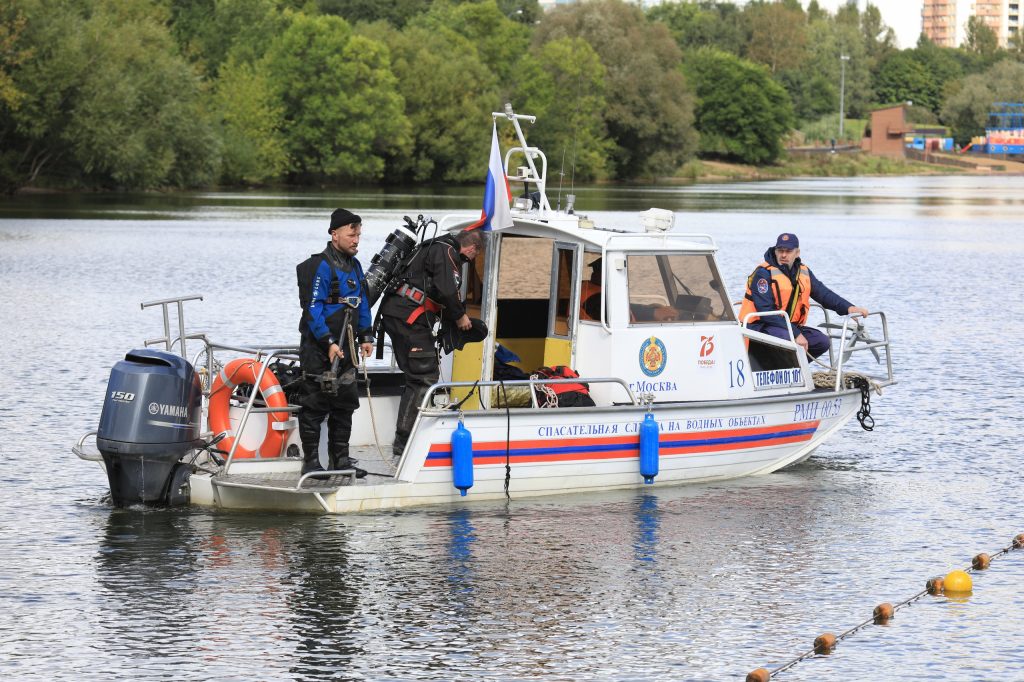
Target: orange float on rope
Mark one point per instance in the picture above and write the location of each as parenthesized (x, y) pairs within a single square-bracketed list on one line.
[(882, 613), (981, 562), (759, 675), (1018, 541), (236, 373), (824, 643)]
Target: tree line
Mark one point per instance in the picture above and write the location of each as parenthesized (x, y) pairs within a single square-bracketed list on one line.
[(141, 94)]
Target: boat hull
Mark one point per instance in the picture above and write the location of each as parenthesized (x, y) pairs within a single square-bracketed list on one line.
[(559, 451)]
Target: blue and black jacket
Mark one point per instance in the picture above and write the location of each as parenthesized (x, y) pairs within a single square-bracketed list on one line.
[(330, 285)]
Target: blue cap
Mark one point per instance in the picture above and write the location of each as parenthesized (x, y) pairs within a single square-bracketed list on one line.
[(787, 240)]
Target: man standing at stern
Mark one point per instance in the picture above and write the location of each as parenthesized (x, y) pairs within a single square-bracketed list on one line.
[(335, 313), (428, 288), (783, 282)]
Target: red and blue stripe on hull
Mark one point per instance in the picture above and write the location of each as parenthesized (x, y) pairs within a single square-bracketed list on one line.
[(625, 447)]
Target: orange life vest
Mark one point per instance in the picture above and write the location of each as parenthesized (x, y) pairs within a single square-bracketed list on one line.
[(795, 303), (587, 290), (562, 372)]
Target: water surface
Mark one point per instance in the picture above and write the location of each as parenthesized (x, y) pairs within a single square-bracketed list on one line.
[(704, 582)]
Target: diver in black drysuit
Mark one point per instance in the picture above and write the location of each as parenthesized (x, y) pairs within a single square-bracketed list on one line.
[(428, 288)]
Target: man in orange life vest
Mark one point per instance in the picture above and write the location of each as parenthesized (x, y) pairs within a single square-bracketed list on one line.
[(783, 282)]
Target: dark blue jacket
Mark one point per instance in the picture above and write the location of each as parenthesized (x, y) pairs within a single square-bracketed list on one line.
[(325, 314), (819, 293)]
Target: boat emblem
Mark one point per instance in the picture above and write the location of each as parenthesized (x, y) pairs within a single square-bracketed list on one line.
[(707, 346), (653, 356)]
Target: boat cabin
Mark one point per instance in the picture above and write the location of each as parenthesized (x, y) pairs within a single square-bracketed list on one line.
[(648, 307)]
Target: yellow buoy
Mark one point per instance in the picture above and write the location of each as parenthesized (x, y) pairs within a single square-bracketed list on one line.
[(958, 583)]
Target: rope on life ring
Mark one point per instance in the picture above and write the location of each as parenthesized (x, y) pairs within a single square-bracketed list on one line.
[(235, 373)]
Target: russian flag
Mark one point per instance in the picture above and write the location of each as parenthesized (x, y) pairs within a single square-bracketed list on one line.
[(496, 213)]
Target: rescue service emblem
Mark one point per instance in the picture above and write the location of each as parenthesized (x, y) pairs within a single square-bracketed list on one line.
[(653, 356), (762, 286)]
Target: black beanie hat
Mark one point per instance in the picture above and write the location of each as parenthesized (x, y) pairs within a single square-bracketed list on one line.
[(342, 217)]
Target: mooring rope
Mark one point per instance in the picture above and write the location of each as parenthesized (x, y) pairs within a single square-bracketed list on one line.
[(825, 643)]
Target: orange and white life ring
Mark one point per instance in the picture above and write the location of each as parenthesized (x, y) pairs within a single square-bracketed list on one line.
[(238, 372)]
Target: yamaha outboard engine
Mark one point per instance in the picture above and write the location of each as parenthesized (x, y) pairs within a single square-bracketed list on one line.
[(387, 264), (151, 417)]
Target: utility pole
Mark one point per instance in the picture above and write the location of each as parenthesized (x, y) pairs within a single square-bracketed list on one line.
[(843, 58)]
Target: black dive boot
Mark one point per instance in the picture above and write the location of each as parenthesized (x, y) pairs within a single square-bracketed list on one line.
[(408, 410), (341, 461), (311, 459)]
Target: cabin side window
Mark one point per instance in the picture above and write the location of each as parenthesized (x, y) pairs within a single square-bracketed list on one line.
[(676, 288), (590, 288)]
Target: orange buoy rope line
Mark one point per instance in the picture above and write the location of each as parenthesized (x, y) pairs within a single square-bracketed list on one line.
[(825, 643)]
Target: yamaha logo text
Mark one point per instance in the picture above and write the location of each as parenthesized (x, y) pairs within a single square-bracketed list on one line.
[(164, 410)]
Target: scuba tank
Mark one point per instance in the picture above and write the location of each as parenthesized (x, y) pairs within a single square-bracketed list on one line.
[(391, 259)]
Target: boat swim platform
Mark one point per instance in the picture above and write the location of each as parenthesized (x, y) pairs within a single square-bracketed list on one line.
[(379, 472)]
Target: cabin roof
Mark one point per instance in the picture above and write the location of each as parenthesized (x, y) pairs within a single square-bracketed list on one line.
[(562, 227)]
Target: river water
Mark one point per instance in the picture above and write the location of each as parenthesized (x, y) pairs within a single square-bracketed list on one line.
[(705, 582)]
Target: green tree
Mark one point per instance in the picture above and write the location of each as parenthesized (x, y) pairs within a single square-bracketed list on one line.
[(12, 25), (208, 31), (902, 77), (499, 41), (741, 112), (107, 101), (449, 95), (1015, 46), (967, 107), (343, 113), (879, 39), (778, 37), (251, 118), (705, 24), (650, 108), (980, 38), (397, 13), (563, 85)]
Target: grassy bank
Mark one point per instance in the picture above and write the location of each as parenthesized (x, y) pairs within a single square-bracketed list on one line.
[(819, 165)]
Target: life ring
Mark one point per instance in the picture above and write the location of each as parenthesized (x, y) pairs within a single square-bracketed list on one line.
[(244, 371)]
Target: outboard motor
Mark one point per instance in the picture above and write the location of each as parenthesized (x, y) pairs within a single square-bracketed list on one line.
[(387, 264), (151, 417)]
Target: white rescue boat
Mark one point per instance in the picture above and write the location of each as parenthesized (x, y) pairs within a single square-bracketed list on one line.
[(683, 391)]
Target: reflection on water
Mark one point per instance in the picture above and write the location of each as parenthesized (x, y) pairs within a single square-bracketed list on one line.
[(703, 582)]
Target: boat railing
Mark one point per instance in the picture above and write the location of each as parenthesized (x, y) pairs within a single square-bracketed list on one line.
[(79, 449), (167, 339), (667, 238), (442, 388), (768, 338), (852, 338), (851, 333)]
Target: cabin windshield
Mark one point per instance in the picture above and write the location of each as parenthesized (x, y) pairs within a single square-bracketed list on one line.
[(677, 287)]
